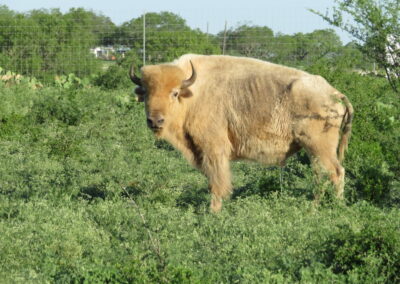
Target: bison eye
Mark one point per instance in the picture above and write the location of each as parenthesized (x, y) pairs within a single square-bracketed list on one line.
[(175, 93)]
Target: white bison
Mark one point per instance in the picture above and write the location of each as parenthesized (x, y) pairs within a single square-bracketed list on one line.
[(215, 109)]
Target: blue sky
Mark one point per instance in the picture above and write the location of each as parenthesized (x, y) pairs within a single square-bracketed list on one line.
[(286, 16)]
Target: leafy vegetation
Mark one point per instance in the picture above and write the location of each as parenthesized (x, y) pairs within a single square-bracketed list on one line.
[(46, 43), (88, 196), (376, 27)]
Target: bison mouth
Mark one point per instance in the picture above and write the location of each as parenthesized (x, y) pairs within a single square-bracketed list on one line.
[(156, 130)]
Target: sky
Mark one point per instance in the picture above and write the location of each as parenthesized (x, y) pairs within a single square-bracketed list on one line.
[(285, 16)]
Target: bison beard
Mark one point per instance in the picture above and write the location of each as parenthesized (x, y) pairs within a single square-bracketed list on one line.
[(215, 109)]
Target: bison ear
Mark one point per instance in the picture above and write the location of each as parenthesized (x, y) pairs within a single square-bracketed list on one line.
[(181, 93), (140, 93), (185, 93)]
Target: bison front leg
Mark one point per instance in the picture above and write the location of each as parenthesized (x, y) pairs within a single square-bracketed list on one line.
[(216, 168)]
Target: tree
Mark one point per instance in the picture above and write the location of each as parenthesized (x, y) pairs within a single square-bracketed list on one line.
[(376, 27), (103, 28), (350, 57), (167, 37), (305, 49), (45, 43), (7, 17), (252, 41)]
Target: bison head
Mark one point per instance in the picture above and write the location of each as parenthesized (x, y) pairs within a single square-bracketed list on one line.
[(162, 88)]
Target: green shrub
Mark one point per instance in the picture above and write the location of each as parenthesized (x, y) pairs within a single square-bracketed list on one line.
[(115, 77), (71, 81), (370, 253), (60, 106)]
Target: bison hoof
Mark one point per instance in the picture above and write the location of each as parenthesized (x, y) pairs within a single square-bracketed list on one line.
[(216, 205)]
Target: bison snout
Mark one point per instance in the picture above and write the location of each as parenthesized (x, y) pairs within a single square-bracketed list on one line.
[(155, 123)]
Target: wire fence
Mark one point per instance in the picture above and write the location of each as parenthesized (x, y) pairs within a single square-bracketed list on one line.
[(49, 49)]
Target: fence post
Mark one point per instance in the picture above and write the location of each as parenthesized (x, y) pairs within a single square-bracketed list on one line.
[(224, 43), (144, 38)]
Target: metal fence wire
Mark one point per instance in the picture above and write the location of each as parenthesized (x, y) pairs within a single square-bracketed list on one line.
[(47, 49)]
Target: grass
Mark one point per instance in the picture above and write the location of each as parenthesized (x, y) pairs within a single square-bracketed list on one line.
[(88, 196)]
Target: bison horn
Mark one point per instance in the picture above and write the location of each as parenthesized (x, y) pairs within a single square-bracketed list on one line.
[(188, 82), (135, 79)]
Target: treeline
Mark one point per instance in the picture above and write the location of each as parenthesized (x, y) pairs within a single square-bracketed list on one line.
[(45, 43)]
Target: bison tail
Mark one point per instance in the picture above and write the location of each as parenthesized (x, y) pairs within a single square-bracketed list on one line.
[(345, 128)]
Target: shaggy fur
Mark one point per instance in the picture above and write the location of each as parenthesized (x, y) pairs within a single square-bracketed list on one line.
[(242, 108)]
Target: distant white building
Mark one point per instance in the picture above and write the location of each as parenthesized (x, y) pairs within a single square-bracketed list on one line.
[(108, 52), (102, 51)]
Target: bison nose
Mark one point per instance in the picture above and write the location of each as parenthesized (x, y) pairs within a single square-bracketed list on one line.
[(160, 122), (156, 122)]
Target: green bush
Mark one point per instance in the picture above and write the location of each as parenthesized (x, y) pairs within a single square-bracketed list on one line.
[(115, 77), (370, 253), (60, 106)]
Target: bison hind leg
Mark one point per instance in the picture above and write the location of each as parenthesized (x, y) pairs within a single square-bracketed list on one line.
[(328, 171), (325, 162)]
